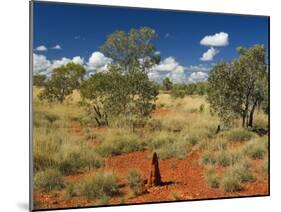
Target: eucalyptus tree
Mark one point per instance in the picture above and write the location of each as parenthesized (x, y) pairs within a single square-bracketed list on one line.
[(62, 82), (238, 87)]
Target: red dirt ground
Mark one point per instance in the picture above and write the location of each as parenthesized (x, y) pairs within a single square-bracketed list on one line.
[(183, 179)]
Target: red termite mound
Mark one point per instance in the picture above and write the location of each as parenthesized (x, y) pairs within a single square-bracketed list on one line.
[(154, 172)]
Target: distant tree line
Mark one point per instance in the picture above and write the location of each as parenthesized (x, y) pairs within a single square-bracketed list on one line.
[(124, 91)]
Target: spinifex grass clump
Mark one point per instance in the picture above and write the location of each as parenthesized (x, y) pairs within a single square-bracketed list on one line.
[(48, 180), (256, 149), (57, 148), (239, 135), (101, 185), (169, 145), (235, 176), (117, 143), (212, 178), (135, 182)]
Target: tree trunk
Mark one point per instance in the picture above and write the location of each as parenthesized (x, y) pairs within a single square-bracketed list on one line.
[(243, 119), (251, 120)]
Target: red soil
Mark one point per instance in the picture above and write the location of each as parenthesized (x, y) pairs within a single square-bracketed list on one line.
[(183, 179)]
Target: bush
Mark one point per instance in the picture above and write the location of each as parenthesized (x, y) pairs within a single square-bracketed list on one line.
[(154, 125), (213, 145), (51, 117), (69, 191), (239, 135), (235, 175), (74, 159), (168, 145), (265, 166), (120, 144), (256, 149), (208, 158), (227, 158), (48, 180), (231, 183), (178, 91), (135, 182), (103, 184), (212, 178), (201, 108)]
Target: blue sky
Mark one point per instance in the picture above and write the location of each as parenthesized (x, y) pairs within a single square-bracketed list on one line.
[(68, 32)]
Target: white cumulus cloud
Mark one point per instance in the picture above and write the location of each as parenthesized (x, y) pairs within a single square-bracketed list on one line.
[(57, 47), (40, 63), (169, 64), (209, 54), (218, 39), (41, 48), (98, 61), (197, 77), (168, 67)]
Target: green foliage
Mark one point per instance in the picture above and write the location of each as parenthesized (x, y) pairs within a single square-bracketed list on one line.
[(235, 175), (208, 158), (132, 50), (119, 144), (212, 178), (168, 145), (48, 180), (236, 88), (239, 135), (135, 182), (63, 81), (154, 125), (265, 166), (39, 80), (178, 91), (199, 88), (256, 149), (103, 184), (167, 84), (113, 94), (69, 191)]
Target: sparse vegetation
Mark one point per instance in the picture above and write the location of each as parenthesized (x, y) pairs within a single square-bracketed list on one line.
[(212, 178), (100, 186), (239, 135), (50, 179), (84, 125), (135, 182)]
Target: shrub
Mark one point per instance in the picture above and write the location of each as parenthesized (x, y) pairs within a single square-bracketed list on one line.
[(235, 175), (103, 184), (69, 191), (135, 182), (51, 117), (212, 178), (261, 121), (239, 135), (265, 166), (227, 158), (213, 145), (256, 149), (154, 125), (201, 108), (168, 145), (120, 144), (208, 158), (74, 159), (48, 180), (231, 183)]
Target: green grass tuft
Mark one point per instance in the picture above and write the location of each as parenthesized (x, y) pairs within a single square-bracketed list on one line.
[(48, 180)]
